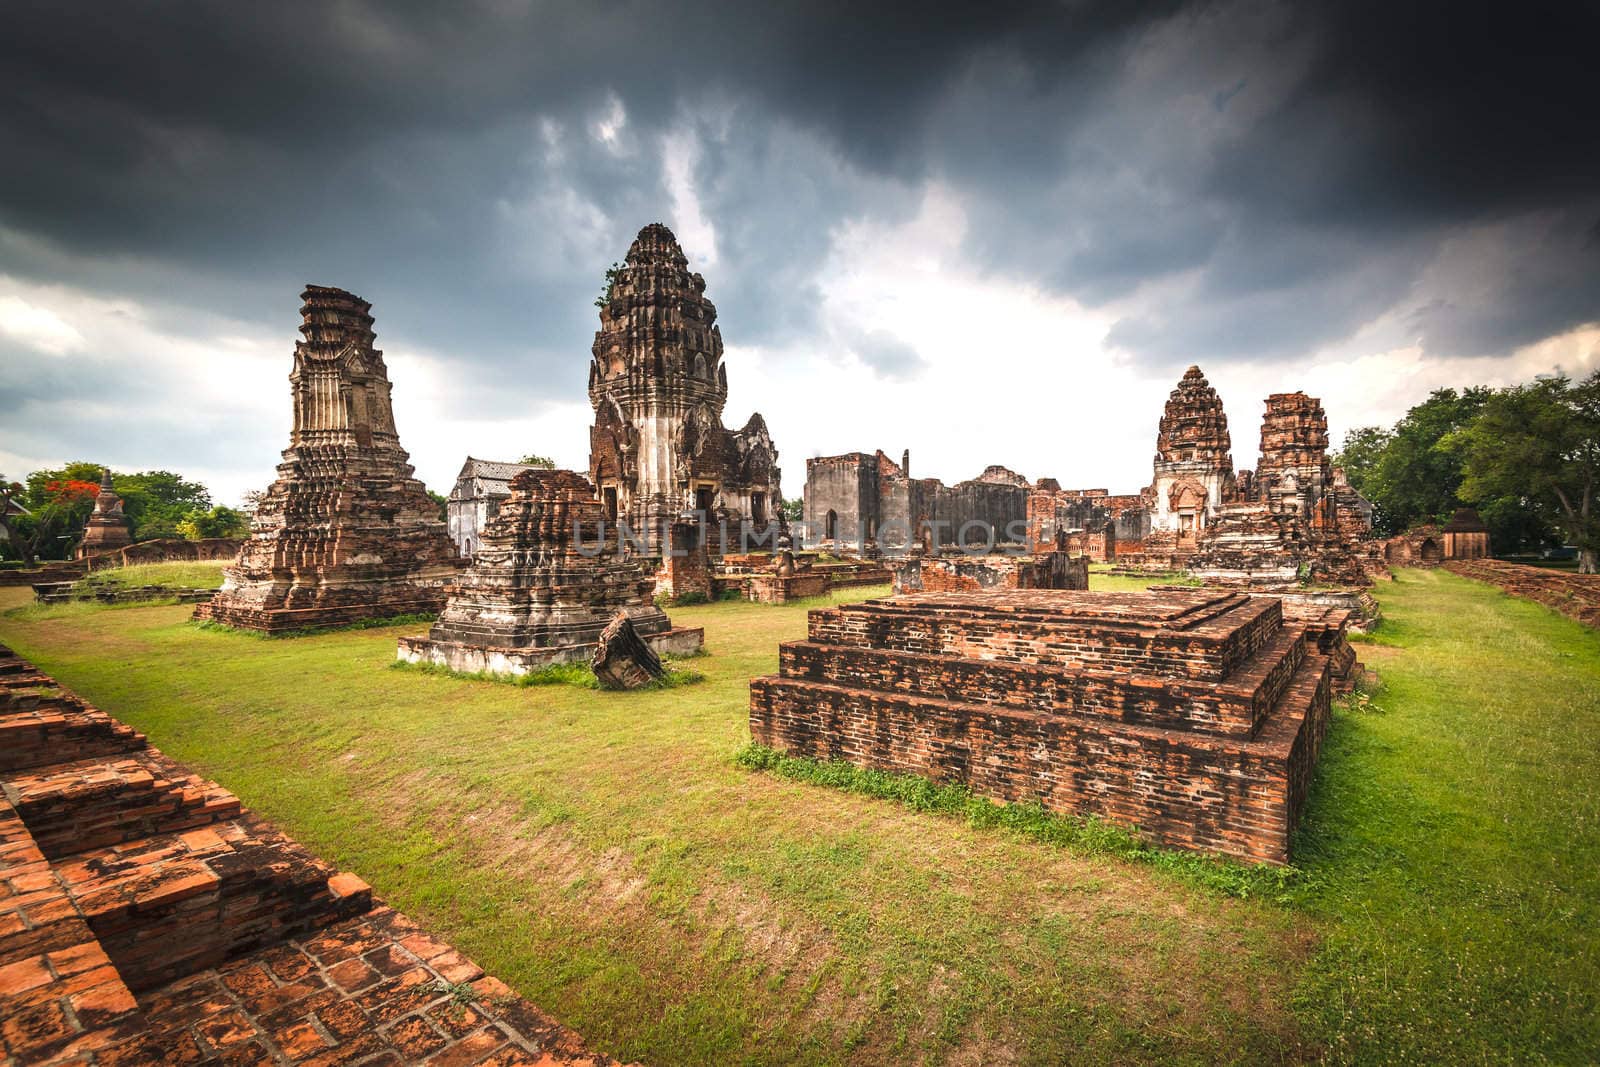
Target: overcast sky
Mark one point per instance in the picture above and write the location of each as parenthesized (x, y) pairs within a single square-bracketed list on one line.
[(995, 233)]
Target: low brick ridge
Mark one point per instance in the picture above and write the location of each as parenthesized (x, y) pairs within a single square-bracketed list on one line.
[(147, 918), (1577, 596)]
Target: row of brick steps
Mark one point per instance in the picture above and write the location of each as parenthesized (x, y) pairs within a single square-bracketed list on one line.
[(1195, 716), (1577, 596), (146, 917)]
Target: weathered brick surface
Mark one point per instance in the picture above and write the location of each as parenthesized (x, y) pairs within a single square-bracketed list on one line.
[(1055, 569), (123, 875), (1194, 716), (1577, 596)]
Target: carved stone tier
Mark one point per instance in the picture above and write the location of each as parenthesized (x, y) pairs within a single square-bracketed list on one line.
[(345, 533), (547, 579), (1195, 716)]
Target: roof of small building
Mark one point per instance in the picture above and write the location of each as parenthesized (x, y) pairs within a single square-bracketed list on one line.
[(1466, 520), (493, 471)]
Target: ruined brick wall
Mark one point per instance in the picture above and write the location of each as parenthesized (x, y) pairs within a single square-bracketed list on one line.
[(841, 496), (1194, 716), (173, 550), (686, 565), (972, 574)]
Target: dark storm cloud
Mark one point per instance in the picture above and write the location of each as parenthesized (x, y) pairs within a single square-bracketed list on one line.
[(1238, 179)]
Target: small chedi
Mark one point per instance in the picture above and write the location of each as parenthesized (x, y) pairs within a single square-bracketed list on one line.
[(107, 530), (345, 533), (1194, 715), (658, 449), (547, 579)]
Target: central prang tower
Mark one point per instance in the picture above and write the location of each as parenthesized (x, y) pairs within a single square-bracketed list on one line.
[(658, 450)]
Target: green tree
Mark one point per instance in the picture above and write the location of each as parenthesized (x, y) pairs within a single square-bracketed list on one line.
[(157, 501), (792, 510), (1360, 458), (442, 502), (538, 461), (220, 521), (1541, 442), (1412, 473), (43, 518)]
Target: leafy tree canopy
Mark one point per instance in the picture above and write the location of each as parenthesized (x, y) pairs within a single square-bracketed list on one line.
[(1540, 443), (538, 461), (220, 521)]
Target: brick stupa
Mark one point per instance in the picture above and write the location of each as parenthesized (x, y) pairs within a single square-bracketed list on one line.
[(345, 533), (107, 530), (1293, 526), (1195, 715), (547, 578)]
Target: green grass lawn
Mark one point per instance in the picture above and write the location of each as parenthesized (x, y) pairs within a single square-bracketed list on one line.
[(606, 855), (179, 574)]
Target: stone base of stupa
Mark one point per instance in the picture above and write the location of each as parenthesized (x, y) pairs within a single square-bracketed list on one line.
[(481, 659)]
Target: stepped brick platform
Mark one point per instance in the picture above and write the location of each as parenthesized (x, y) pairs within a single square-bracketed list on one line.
[(1577, 596), (1194, 715), (147, 918)]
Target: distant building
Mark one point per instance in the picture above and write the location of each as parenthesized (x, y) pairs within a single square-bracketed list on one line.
[(475, 499)]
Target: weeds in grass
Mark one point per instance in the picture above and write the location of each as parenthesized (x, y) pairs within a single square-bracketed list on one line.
[(414, 619), (1083, 835), (575, 673)]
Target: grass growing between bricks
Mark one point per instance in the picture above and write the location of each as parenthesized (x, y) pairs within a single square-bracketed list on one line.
[(609, 857)]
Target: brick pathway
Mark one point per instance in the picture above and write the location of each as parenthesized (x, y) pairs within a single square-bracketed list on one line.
[(147, 918)]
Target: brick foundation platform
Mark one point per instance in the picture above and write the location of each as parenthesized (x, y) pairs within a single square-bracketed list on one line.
[(146, 918), (1195, 716), (1577, 596)]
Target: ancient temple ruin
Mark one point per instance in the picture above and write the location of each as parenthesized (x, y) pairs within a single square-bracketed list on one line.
[(345, 533), (1288, 525), (1193, 469), (107, 530), (1194, 715), (547, 578), (658, 449)]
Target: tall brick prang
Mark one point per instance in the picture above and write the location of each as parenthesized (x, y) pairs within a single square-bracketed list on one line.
[(1195, 716), (345, 533), (658, 448)]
